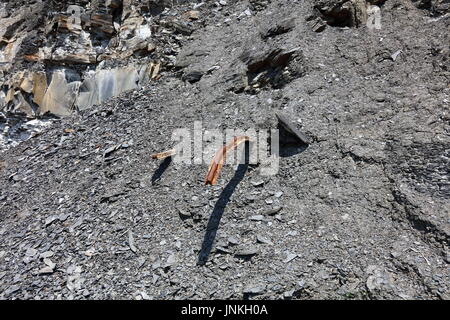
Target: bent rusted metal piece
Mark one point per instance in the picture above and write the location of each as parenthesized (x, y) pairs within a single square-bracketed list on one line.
[(163, 155), (217, 162)]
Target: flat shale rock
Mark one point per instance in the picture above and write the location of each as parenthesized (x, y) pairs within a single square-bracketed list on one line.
[(246, 251)]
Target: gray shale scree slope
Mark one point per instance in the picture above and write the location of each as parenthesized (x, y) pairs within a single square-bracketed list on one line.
[(362, 212)]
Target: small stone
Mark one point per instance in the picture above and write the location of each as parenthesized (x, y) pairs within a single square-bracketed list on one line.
[(263, 239), (89, 252), (257, 183), (12, 289), (380, 98), (184, 214), (378, 279), (285, 122), (447, 257), (278, 194), (395, 55), (46, 254), (73, 269), (318, 25), (290, 257), (119, 227), (17, 279), (156, 264), (49, 263), (300, 284), (257, 218), (50, 220), (222, 243), (75, 225), (63, 217), (246, 251), (145, 296), (198, 5), (46, 270), (323, 274), (223, 250), (131, 241), (192, 14), (255, 289), (320, 259), (31, 252), (273, 211), (289, 294), (27, 260), (233, 240), (250, 198), (141, 261), (170, 261), (111, 149), (74, 282)]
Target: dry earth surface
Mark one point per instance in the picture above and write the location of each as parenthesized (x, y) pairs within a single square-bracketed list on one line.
[(360, 212)]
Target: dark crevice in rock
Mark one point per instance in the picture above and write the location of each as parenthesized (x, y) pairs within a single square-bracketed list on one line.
[(338, 17), (428, 229), (434, 7), (274, 69), (345, 13), (278, 28), (359, 159)]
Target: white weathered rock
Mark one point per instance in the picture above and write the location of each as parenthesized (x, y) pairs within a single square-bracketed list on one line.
[(105, 84), (60, 95)]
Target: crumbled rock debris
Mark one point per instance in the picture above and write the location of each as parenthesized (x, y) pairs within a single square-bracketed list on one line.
[(361, 212)]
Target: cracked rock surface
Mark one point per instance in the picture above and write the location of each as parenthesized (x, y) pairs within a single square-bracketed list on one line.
[(361, 212)]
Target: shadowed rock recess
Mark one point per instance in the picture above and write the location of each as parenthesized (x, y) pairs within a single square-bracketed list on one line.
[(359, 208)]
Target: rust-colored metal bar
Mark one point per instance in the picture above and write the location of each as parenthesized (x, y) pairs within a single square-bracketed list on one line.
[(217, 162), (163, 155)]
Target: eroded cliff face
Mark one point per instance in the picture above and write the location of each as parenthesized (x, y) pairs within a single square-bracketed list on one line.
[(58, 56), (62, 56)]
